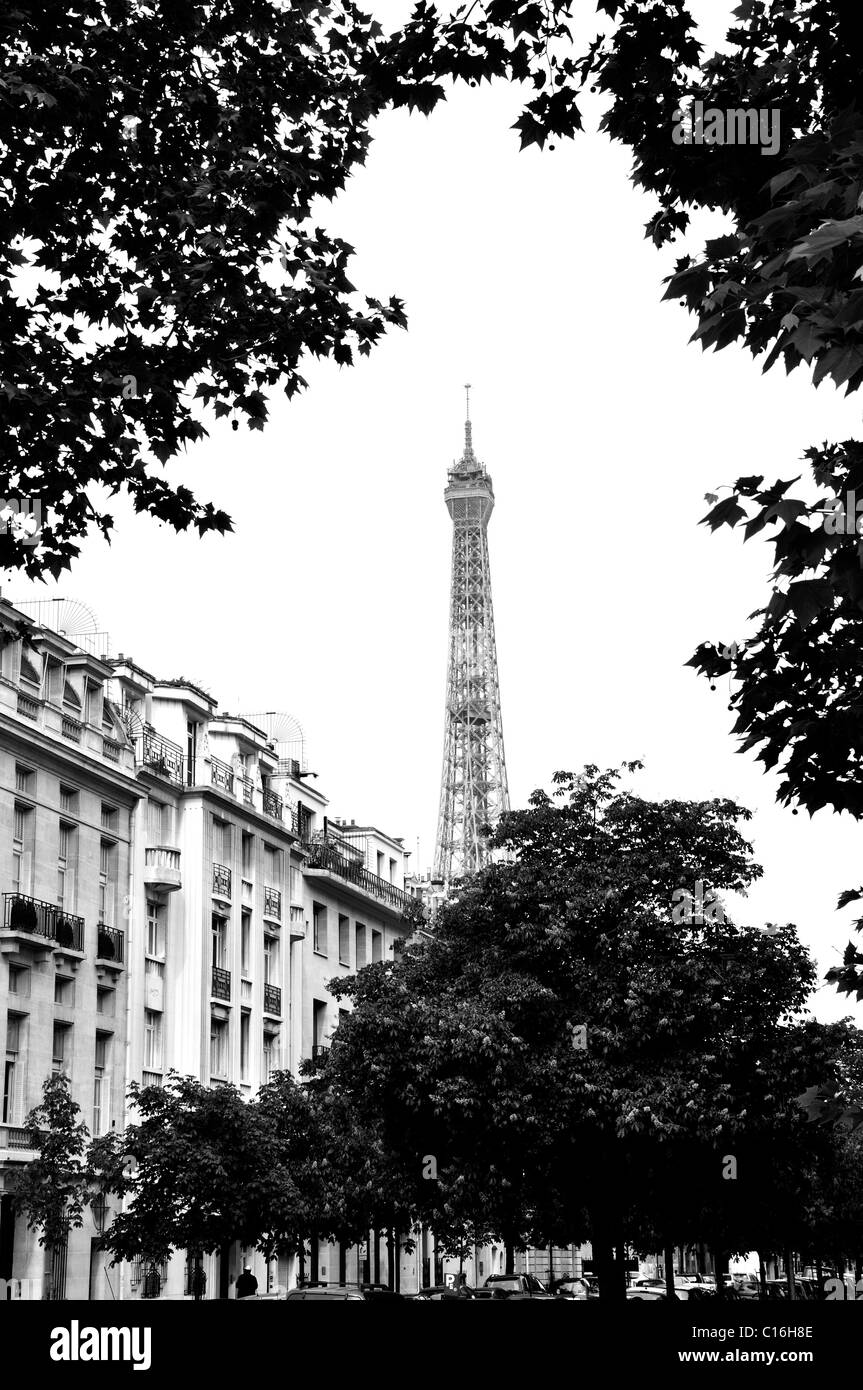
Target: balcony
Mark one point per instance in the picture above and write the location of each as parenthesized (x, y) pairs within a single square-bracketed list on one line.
[(327, 854), (18, 1142), (222, 775), (273, 903), (273, 804), (221, 881), (110, 949), (248, 791), (162, 868), (273, 1000), (28, 707), (71, 729), (111, 750), (40, 925), (160, 756), (298, 923), (221, 983)]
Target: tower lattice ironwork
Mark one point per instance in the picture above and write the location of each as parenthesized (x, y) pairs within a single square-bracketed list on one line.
[(473, 790)]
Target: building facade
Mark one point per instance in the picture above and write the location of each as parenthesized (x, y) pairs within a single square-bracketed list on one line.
[(174, 897)]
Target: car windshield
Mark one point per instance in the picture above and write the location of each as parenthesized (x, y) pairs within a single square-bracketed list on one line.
[(505, 1281)]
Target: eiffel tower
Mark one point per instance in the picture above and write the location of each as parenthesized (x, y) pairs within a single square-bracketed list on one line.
[(473, 790)]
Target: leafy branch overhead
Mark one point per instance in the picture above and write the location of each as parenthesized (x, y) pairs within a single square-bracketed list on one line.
[(163, 168)]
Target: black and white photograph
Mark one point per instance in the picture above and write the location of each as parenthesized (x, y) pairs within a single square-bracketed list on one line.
[(431, 679)]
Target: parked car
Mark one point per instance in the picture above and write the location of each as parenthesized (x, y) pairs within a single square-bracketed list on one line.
[(352, 1293), (438, 1292), (516, 1286)]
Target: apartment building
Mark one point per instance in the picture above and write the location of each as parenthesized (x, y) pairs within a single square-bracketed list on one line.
[(174, 897), (68, 798)]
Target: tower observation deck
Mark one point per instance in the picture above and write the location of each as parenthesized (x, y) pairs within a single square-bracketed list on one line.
[(474, 789)]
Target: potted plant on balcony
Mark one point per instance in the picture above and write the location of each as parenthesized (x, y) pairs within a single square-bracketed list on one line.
[(23, 916), (105, 944), (64, 932)]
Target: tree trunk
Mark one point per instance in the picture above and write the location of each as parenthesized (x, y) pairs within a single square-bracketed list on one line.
[(509, 1258), (390, 1260), (762, 1275), (668, 1257), (789, 1272), (719, 1263), (819, 1276)]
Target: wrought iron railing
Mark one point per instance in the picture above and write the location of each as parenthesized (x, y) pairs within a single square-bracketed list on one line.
[(319, 1056), (273, 1000), (248, 791), (222, 775), (272, 903), (273, 804), (110, 944), (221, 881), (37, 918), (160, 756), (221, 983), (323, 854)]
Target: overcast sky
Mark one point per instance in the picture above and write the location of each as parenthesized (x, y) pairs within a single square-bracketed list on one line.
[(527, 275)]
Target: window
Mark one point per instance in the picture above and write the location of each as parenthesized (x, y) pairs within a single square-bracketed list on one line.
[(344, 939), (270, 1054), (158, 823), (246, 943), (152, 1040), (377, 946), (296, 885), (22, 846), (105, 1002), (13, 1070), (319, 1018), (272, 867), (110, 817), (64, 990), (245, 1025), (394, 869), (271, 960), (56, 681), (101, 1085), (380, 864), (93, 704), (221, 842), (360, 936), (19, 980), (155, 929), (67, 854), (25, 779), (248, 854), (107, 881), (61, 1051), (191, 751), (319, 928), (218, 1047), (68, 799), (220, 940)]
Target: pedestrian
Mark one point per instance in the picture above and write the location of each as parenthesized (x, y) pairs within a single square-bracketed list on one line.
[(247, 1284)]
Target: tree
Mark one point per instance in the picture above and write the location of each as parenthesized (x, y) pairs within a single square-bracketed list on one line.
[(470, 1049), (53, 1189), (161, 263)]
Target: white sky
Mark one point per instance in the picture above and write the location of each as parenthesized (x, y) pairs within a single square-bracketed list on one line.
[(528, 275)]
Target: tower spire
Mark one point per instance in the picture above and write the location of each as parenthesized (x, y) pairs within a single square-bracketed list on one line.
[(468, 458)]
